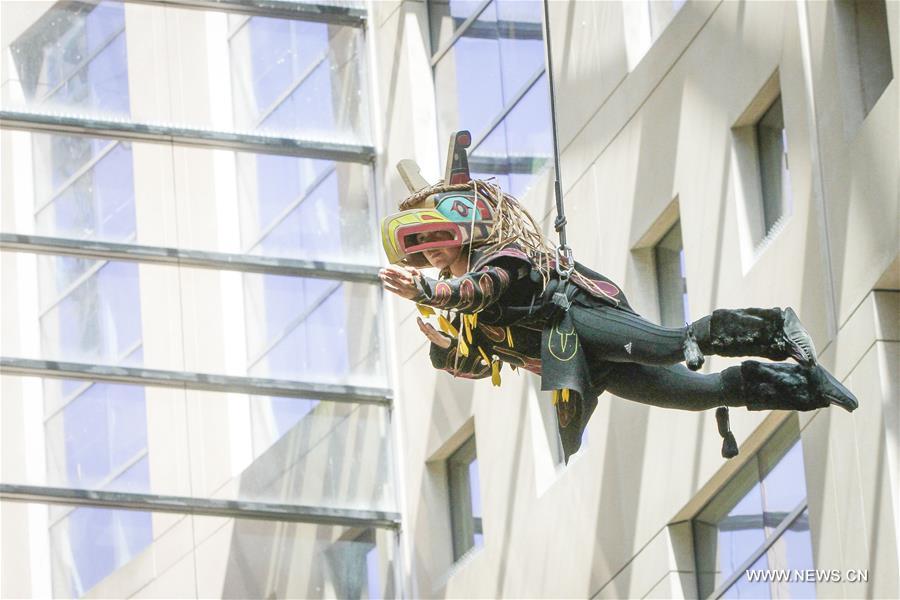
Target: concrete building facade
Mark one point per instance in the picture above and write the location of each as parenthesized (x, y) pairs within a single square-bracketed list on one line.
[(205, 392)]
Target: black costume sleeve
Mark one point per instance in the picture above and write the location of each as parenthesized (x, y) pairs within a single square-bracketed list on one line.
[(471, 292)]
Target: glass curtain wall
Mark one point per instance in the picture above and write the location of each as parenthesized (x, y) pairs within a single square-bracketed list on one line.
[(193, 319), (490, 78)]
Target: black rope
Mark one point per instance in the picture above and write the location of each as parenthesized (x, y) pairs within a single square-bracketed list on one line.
[(560, 223)]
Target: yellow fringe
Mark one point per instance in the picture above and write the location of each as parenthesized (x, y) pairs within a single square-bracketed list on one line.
[(495, 373), (447, 327), (467, 327), (463, 348), (562, 394), (487, 360), (509, 339), (425, 311)]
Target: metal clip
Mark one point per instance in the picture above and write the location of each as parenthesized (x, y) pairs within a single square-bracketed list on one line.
[(564, 257)]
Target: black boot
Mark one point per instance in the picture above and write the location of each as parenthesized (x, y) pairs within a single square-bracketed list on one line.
[(773, 386), (766, 332)]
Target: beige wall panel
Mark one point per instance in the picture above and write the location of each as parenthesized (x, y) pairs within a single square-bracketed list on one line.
[(858, 173), (595, 134), (404, 101), (589, 56), (168, 444), (151, 94)]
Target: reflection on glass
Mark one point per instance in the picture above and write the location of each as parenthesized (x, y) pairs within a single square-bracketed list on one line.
[(793, 551), (225, 558), (744, 588), (97, 321), (671, 278), (313, 329), (447, 16), (74, 56), (465, 499), (301, 78), (475, 490), (491, 83), (771, 140), (91, 543), (305, 208), (740, 522), (97, 434), (783, 489), (520, 146), (152, 440)]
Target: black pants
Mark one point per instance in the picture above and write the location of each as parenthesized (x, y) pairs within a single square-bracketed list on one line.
[(645, 360)]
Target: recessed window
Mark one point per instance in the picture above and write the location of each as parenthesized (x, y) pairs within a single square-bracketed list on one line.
[(762, 171), (465, 499), (863, 55), (671, 280), (774, 176), (759, 521)]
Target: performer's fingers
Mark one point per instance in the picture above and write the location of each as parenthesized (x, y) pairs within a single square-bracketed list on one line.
[(400, 278)]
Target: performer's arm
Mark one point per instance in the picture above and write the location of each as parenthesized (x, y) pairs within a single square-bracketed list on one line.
[(444, 355), (470, 292)]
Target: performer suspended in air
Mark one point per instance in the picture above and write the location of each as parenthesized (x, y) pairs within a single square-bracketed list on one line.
[(502, 298)]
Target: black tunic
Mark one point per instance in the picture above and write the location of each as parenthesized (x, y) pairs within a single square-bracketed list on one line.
[(519, 325)]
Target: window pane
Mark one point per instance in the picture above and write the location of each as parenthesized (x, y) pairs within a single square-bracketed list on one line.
[(304, 329), (793, 551), (775, 179), (305, 208), (90, 543), (198, 199), (313, 329), (465, 499), (300, 78), (469, 81), (446, 17), (97, 321), (671, 279), (96, 435), (744, 588), (170, 441), (229, 558), (520, 146), (729, 529), (74, 56), (784, 486)]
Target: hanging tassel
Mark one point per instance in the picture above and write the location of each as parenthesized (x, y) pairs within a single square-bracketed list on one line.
[(509, 339), (729, 444), (467, 327), (425, 311), (555, 397), (495, 373), (565, 395), (447, 327)]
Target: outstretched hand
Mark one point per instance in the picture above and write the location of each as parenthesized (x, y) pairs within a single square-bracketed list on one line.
[(400, 280), (433, 335)]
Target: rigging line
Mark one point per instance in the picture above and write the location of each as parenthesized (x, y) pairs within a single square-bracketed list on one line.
[(560, 223)]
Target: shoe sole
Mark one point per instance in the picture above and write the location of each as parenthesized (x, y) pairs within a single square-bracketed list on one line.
[(801, 347)]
